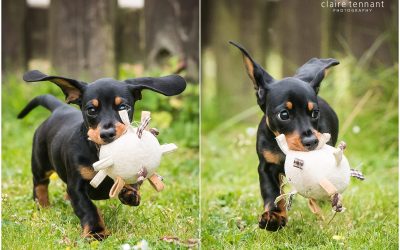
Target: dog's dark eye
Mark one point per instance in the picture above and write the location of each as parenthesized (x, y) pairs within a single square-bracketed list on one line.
[(315, 114), (91, 111), (284, 115), (123, 107)]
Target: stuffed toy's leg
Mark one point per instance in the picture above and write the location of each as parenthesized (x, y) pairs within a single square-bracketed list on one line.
[(315, 208), (157, 182), (101, 175), (98, 178), (339, 152), (119, 183), (333, 193)]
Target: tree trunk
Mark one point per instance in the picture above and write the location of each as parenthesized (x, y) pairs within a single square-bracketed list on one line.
[(359, 31), (171, 30), (129, 40), (299, 33), (37, 32), (13, 40), (240, 22), (82, 38)]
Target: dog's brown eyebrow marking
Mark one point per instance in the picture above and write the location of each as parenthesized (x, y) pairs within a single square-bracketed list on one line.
[(118, 100), (310, 106), (95, 103), (289, 105)]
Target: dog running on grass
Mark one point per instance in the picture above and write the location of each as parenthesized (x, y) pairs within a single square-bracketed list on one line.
[(291, 106), (68, 141)]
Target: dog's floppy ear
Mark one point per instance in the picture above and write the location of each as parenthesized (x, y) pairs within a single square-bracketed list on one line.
[(315, 70), (72, 89), (166, 85), (257, 74)]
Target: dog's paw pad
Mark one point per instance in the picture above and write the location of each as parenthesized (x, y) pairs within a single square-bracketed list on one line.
[(272, 221), (129, 196), (98, 235)]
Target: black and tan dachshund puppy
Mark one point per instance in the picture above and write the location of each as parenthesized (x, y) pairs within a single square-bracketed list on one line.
[(291, 107), (68, 141)]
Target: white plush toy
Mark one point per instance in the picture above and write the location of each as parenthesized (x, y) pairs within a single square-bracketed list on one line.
[(323, 173), (132, 157)]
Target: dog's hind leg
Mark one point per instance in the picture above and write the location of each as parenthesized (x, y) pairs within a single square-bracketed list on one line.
[(41, 170)]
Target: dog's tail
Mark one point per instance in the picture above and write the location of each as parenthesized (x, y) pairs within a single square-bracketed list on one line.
[(47, 101)]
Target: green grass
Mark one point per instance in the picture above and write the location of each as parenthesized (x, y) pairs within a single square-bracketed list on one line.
[(231, 205), (367, 105), (172, 212)]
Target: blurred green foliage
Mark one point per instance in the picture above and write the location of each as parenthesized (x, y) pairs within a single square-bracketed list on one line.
[(180, 112)]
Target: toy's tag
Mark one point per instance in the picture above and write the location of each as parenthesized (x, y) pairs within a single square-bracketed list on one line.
[(144, 122), (289, 201), (287, 198), (298, 163), (145, 116), (357, 174)]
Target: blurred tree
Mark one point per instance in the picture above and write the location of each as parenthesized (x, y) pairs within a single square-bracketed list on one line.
[(373, 35), (82, 38), (129, 37), (171, 29), (299, 33), (241, 22), (282, 35), (13, 35), (37, 32)]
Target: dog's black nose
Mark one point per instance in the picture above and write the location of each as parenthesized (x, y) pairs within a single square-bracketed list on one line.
[(310, 142), (108, 135)]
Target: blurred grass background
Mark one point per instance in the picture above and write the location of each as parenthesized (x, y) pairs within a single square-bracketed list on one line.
[(173, 212)]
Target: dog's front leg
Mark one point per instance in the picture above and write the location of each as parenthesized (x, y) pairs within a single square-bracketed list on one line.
[(274, 216), (91, 221), (130, 195)]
